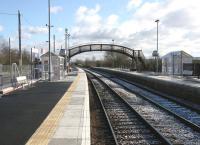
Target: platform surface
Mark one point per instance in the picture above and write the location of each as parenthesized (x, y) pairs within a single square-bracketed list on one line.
[(69, 121), (185, 80), (22, 111)]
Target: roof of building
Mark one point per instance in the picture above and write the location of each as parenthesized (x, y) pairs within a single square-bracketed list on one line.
[(177, 53), (47, 54), (196, 60)]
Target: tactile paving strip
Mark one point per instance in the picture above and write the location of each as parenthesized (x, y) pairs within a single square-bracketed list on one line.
[(44, 133)]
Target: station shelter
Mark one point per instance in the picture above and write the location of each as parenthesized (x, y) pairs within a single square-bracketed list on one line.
[(196, 66), (56, 65), (177, 63)]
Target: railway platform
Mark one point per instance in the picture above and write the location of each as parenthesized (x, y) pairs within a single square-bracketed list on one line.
[(69, 121), (47, 113), (184, 80), (186, 88)]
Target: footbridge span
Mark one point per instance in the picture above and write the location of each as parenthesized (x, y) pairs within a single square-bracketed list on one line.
[(137, 56)]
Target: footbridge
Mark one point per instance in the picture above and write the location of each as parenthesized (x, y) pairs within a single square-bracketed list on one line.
[(136, 55)]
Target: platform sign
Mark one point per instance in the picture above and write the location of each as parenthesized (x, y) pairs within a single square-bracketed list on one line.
[(1, 67), (155, 53), (1, 81)]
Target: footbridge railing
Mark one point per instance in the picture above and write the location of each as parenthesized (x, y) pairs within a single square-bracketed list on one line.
[(132, 53)]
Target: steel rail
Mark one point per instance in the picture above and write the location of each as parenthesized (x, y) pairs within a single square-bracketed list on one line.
[(182, 119), (163, 139), (152, 91), (104, 110), (161, 95)]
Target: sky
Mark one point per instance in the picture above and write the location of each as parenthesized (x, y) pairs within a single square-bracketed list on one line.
[(129, 22)]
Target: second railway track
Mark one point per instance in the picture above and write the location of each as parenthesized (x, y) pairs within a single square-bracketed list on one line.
[(168, 125), (188, 115), (127, 125)]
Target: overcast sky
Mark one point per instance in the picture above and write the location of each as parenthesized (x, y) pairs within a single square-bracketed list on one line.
[(128, 22)]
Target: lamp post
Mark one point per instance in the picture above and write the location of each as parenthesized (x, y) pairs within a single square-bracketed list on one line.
[(113, 41), (49, 28), (54, 43), (113, 61), (157, 21), (66, 38)]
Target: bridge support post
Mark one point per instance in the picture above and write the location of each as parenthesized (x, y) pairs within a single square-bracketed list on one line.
[(68, 61), (68, 65), (133, 64)]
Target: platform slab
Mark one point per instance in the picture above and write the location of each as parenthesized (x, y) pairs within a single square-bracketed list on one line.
[(74, 127), (70, 118)]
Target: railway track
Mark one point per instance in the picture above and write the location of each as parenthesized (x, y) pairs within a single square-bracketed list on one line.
[(176, 129), (101, 133), (180, 110), (128, 127)]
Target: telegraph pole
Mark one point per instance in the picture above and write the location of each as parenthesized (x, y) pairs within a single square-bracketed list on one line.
[(32, 63), (20, 49), (9, 51), (9, 45)]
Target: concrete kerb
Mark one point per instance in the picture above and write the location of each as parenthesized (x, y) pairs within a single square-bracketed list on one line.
[(168, 87)]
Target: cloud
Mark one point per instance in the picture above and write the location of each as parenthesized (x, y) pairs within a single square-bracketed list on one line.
[(133, 3), (1, 28), (56, 9), (60, 29), (26, 35), (178, 27), (112, 20), (88, 21), (36, 30), (29, 31), (178, 19), (2, 42)]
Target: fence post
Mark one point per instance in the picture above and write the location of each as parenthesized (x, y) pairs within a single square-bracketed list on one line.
[(1, 83)]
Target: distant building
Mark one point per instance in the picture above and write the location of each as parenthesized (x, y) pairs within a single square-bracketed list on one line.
[(196, 66), (177, 63), (57, 66)]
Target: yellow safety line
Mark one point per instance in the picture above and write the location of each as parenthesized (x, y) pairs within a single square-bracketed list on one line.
[(46, 130)]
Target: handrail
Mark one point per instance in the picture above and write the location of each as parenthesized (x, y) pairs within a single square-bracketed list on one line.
[(74, 50)]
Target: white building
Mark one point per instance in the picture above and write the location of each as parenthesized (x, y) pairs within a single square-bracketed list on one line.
[(177, 63), (57, 66)]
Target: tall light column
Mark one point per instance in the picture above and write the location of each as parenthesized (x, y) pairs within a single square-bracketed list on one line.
[(54, 43), (49, 26), (66, 35), (113, 41), (68, 40), (68, 61), (157, 21)]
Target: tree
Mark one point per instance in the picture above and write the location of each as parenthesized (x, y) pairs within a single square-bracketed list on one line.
[(151, 65), (4, 54), (112, 59)]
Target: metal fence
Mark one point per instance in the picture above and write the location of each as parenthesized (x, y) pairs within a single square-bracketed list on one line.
[(6, 79)]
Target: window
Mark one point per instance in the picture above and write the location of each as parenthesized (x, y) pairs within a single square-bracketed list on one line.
[(188, 66)]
